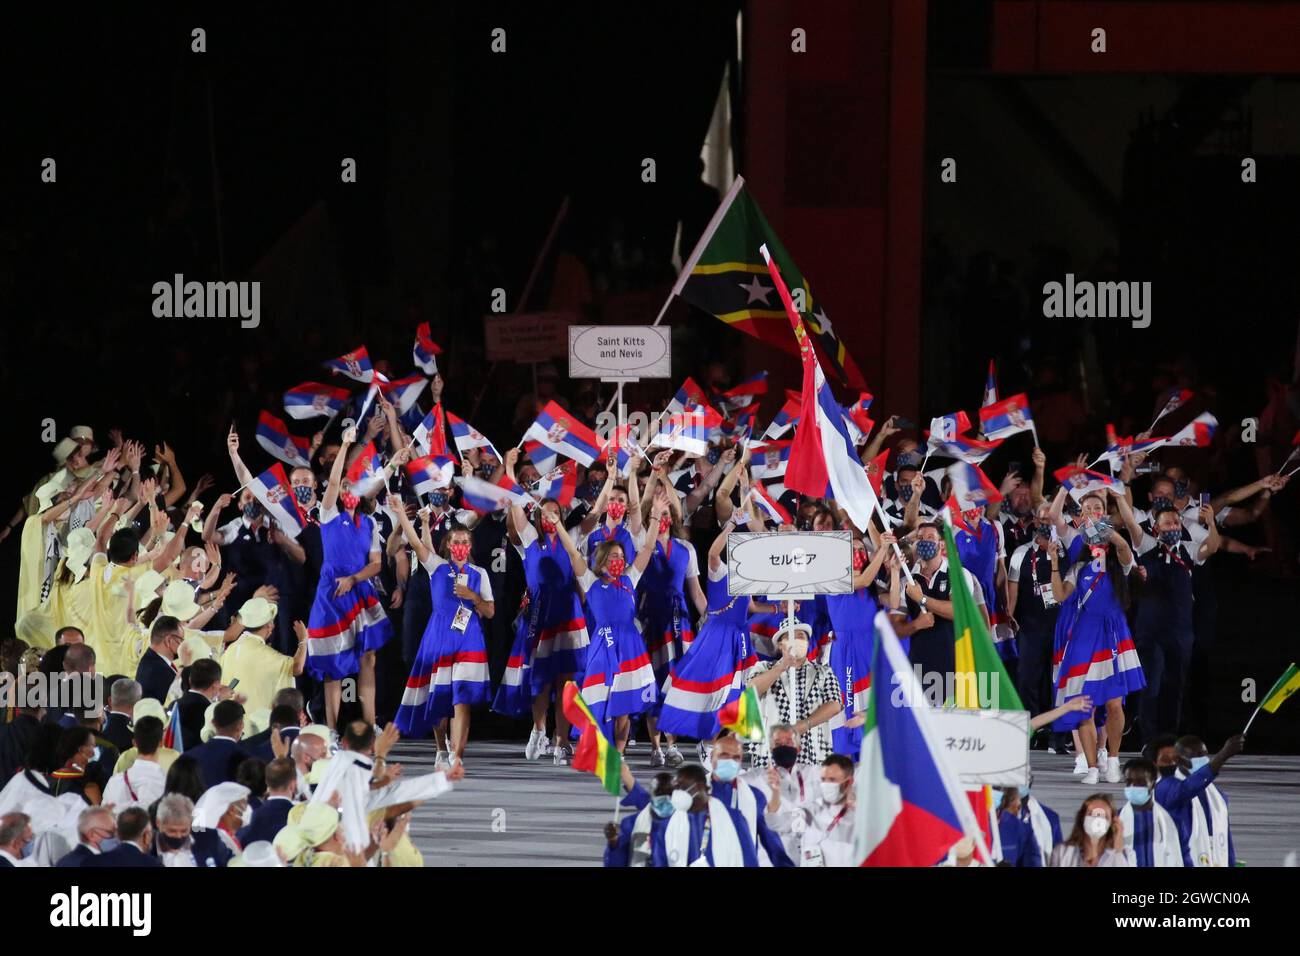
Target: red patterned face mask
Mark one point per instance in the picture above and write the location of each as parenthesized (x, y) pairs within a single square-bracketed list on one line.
[(548, 526), (616, 566), (459, 553), (859, 560), (617, 509), (350, 501), (664, 524)]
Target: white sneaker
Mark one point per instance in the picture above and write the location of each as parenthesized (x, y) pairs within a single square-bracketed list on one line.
[(536, 744), (1090, 778), (441, 760), (1113, 771), (1080, 764), (673, 757), (656, 758), (562, 756), (1102, 757)]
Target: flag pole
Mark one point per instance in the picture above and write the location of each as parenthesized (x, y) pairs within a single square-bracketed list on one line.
[(884, 520), (618, 802), (1258, 708)]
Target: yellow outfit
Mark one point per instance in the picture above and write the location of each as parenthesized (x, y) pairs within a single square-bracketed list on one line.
[(98, 606), (262, 671), (31, 565), (315, 858), (166, 757), (404, 853), (38, 626)]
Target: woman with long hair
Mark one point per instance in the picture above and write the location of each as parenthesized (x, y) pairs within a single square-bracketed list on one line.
[(1097, 838), (347, 624), (450, 673), (1094, 654)]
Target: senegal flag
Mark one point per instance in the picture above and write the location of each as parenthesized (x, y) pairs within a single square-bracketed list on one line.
[(743, 716), (1285, 686), (595, 752), (725, 276), (981, 680)]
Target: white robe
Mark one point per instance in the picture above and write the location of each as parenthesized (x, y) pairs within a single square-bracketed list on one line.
[(1165, 847)]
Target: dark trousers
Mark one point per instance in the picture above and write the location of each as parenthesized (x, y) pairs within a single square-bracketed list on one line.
[(1034, 674), (1166, 655)]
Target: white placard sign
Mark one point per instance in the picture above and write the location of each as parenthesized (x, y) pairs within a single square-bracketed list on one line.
[(627, 352), (790, 563), (985, 746)]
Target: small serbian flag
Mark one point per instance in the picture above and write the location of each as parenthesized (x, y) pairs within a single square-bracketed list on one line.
[(542, 458), (366, 473), (561, 432), (1198, 433), (742, 426), (769, 506), (785, 419), (876, 471), (314, 400), (484, 497), (426, 350), (430, 473), (272, 489), (1081, 481), (952, 513), (431, 434), (623, 446), (688, 431), (172, 735), (770, 460), (948, 427), (746, 393), (467, 437), (859, 422), (1117, 448), (1006, 417), (274, 437), (1176, 401), (971, 487), (688, 395), (355, 365), (559, 484), (403, 392), (962, 448), (990, 387)]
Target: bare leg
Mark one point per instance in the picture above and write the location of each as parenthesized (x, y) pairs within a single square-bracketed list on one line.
[(652, 728), (561, 721), (622, 726), (1088, 741), (366, 687), (541, 701), (440, 734), (333, 697), (460, 730), (1114, 726)]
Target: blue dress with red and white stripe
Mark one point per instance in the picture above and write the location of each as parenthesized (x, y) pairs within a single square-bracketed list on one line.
[(619, 679), (713, 671), (979, 555), (341, 629), (665, 622), (853, 621), (451, 666), (1094, 652), (551, 635)]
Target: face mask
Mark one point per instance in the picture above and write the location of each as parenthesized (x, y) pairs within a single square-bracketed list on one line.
[(1160, 503), (1180, 489), (1138, 796), (252, 510), (713, 455), (1167, 770), (785, 757), (1199, 762), (1096, 827), (170, 844), (595, 485), (859, 560), (304, 494), (664, 524), (682, 800), (459, 553), (663, 806), (246, 817), (1170, 539), (27, 849), (908, 458), (107, 846), (727, 770), (616, 510), (1024, 792), (831, 791), (548, 526), (438, 499), (349, 500), (1043, 531), (616, 566), (905, 493), (973, 515), (798, 648), (927, 550), (485, 471)]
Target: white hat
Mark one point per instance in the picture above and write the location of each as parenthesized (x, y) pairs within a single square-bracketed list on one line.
[(45, 495), (256, 721), (81, 545), (257, 612), (178, 601), (214, 803), (146, 588), (196, 648), (64, 449), (788, 628), (261, 853), (316, 730), (148, 707), (82, 432)]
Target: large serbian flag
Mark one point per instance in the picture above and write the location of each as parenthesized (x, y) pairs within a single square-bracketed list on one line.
[(725, 278), (911, 807), (561, 432), (355, 365), (272, 489), (314, 400), (823, 462), (274, 437), (1005, 418), (595, 752), (1198, 433)]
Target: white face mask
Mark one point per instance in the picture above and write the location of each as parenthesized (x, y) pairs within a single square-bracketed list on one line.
[(831, 791), (1096, 827), (246, 817), (682, 800)]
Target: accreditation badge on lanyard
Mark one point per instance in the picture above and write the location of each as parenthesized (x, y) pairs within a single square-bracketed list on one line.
[(461, 621)]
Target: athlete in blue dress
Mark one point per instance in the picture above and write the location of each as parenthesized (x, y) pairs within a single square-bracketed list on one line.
[(450, 674), (347, 624)]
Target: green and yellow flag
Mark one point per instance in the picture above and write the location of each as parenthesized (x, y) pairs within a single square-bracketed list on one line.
[(982, 682), (743, 716), (1285, 686)]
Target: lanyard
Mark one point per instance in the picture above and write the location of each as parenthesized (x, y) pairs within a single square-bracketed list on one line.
[(1178, 558), (838, 817), (126, 778)]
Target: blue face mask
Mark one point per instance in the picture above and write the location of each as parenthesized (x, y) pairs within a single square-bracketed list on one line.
[(662, 807), (1199, 762), (1160, 503), (727, 770), (1170, 539), (1024, 792), (905, 493), (28, 847), (1138, 796), (112, 843), (438, 499), (927, 550), (1180, 489), (303, 493)]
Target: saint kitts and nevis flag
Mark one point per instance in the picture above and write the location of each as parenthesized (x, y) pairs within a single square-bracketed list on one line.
[(595, 752), (725, 277), (911, 807)]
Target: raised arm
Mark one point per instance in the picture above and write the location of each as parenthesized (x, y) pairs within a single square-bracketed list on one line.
[(422, 552), (232, 446), (575, 558), (329, 501)]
